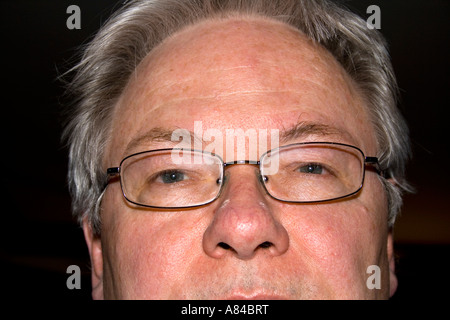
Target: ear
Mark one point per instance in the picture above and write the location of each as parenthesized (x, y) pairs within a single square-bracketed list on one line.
[(95, 252), (393, 282)]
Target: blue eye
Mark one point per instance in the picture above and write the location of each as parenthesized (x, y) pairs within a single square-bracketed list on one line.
[(172, 176), (311, 168)]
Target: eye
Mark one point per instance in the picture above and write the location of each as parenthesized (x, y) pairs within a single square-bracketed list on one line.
[(311, 168), (172, 176)]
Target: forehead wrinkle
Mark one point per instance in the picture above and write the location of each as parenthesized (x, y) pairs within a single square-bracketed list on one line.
[(153, 72), (164, 80), (260, 89), (201, 76), (242, 93), (167, 85), (230, 93)]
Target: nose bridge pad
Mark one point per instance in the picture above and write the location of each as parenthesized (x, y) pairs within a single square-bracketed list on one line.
[(263, 179), (260, 178)]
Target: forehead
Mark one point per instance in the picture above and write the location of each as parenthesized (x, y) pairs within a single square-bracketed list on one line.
[(238, 73)]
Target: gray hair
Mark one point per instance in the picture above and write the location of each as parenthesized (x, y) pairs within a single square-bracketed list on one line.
[(140, 25)]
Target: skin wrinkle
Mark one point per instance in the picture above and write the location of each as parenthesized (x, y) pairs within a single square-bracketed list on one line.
[(185, 81), (318, 251)]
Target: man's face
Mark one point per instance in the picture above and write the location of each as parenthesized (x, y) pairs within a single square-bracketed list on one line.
[(241, 74)]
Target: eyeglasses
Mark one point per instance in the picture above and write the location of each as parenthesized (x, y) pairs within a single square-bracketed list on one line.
[(308, 172)]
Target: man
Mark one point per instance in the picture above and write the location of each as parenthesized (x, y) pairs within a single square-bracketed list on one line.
[(237, 150)]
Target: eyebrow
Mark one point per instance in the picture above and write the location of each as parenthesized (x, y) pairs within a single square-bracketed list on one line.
[(158, 134), (303, 129)]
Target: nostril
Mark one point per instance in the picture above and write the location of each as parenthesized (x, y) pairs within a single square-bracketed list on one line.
[(223, 245), (266, 244)]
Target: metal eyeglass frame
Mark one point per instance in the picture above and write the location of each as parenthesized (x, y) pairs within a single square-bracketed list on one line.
[(373, 161)]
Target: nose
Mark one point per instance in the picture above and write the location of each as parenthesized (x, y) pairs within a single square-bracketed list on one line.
[(243, 223)]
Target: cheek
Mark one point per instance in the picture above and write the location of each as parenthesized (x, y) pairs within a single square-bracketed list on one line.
[(338, 242), (325, 234), (147, 252)]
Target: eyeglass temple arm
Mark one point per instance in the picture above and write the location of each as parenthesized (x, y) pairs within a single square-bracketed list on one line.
[(111, 173), (375, 163)]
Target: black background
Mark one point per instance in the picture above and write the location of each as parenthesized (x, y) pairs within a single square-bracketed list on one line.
[(39, 239)]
